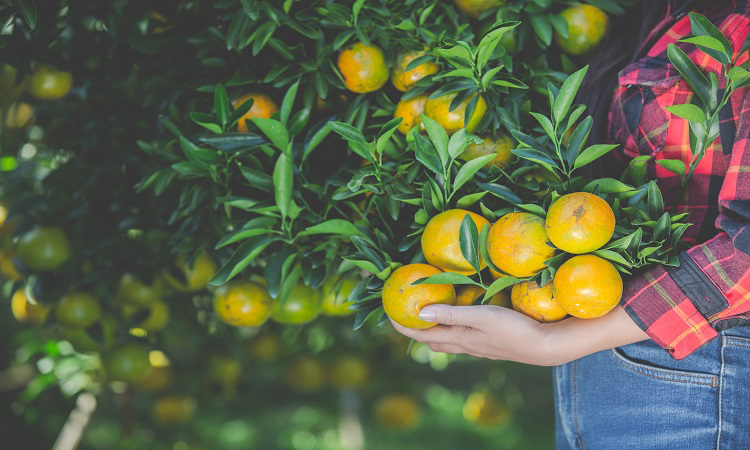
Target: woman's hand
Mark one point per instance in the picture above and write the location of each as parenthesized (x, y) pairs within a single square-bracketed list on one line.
[(500, 333)]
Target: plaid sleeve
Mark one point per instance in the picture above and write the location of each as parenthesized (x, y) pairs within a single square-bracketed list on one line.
[(684, 308)]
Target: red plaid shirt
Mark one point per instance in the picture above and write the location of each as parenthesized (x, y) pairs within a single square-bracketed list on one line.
[(682, 309)]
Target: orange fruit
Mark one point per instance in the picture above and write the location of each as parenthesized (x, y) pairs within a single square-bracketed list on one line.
[(587, 286), (402, 301), (439, 110), (133, 290), (474, 8), (348, 372), (580, 223), (128, 362), (587, 26), (263, 108), (26, 312), (536, 302), (397, 412), (410, 111), (495, 275), (336, 293), (468, 294), (300, 307), (44, 248), (486, 409), (195, 277), (8, 268), (19, 115), (501, 147), (78, 309), (440, 242), (243, 304), (156, 317), (305, 374), (48, 83), (518, 244), (363, 67), (172, 408), (403, 79)]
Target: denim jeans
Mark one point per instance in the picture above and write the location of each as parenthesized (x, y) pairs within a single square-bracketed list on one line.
[(639, 397)]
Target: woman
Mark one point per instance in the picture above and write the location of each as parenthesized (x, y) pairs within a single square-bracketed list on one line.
[(670, 367)]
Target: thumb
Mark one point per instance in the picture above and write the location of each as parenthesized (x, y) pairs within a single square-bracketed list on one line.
[(470, 316)]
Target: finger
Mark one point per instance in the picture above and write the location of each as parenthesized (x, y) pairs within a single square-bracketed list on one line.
[(470, 316), (447, 348), (437, 334)]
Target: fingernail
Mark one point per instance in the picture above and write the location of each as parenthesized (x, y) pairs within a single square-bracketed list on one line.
[(427, 315)]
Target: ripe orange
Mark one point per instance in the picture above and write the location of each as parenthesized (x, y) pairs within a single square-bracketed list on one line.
[(402, 301), (501, 147), (263, 107), (468, 294), (26, 312), (128, 362), (78, 309), (440, 242), (486, 409), (587, 286), (48, 83), (495, 275), (580, 223), (473, 8), (243, 304), (348, 372), (336, 293), (44, 248), (536, 302), (19, 115), (133, 290), (397, 412), (300, 307), (305, 374), (409, 111), (195, 277), (587, 26), (518, 244), (403, 79), (172, 408), (439, 110), (363, 67)]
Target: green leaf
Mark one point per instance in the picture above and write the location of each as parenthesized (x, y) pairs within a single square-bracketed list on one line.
[(276, 270), (240, 259), (240, 235), (593, 153), (577, 139), (288, 103), (205, 121), (29, 12), (536, 156), (546, 125), (567, 93), (500, 284), (315, 136), (701, 26), (427, 155), (221, 105), (275, 131), (446, 278), (283, 176), (738, 75), (459, 141), (332, 226), (469, 169), (655, 200), (468, 200), (468, 240), (690, 72), (675, 166), (257, 179), (687, 111), (613, 256), (608, 186), (348, 132), (543, 28), (710, 46), (501, 191), (439, 138), (386, 131)]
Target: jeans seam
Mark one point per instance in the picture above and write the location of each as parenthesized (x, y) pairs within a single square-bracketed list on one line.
[(710, 380), (721, 391), (575, 404)]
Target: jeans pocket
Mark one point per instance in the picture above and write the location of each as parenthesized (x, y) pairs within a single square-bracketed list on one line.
[(649, 360)]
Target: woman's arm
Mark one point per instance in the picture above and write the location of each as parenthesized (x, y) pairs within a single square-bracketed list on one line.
[(501, 333)]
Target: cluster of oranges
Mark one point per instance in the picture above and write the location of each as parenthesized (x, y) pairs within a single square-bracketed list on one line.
[(519, 244), (44, 83)]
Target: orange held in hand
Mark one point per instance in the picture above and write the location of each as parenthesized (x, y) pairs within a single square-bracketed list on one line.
[(580, 223), (467, 295), (587, 286), (363, 67), (518, 244), (402, 301), (536, 302), (440, 242)]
